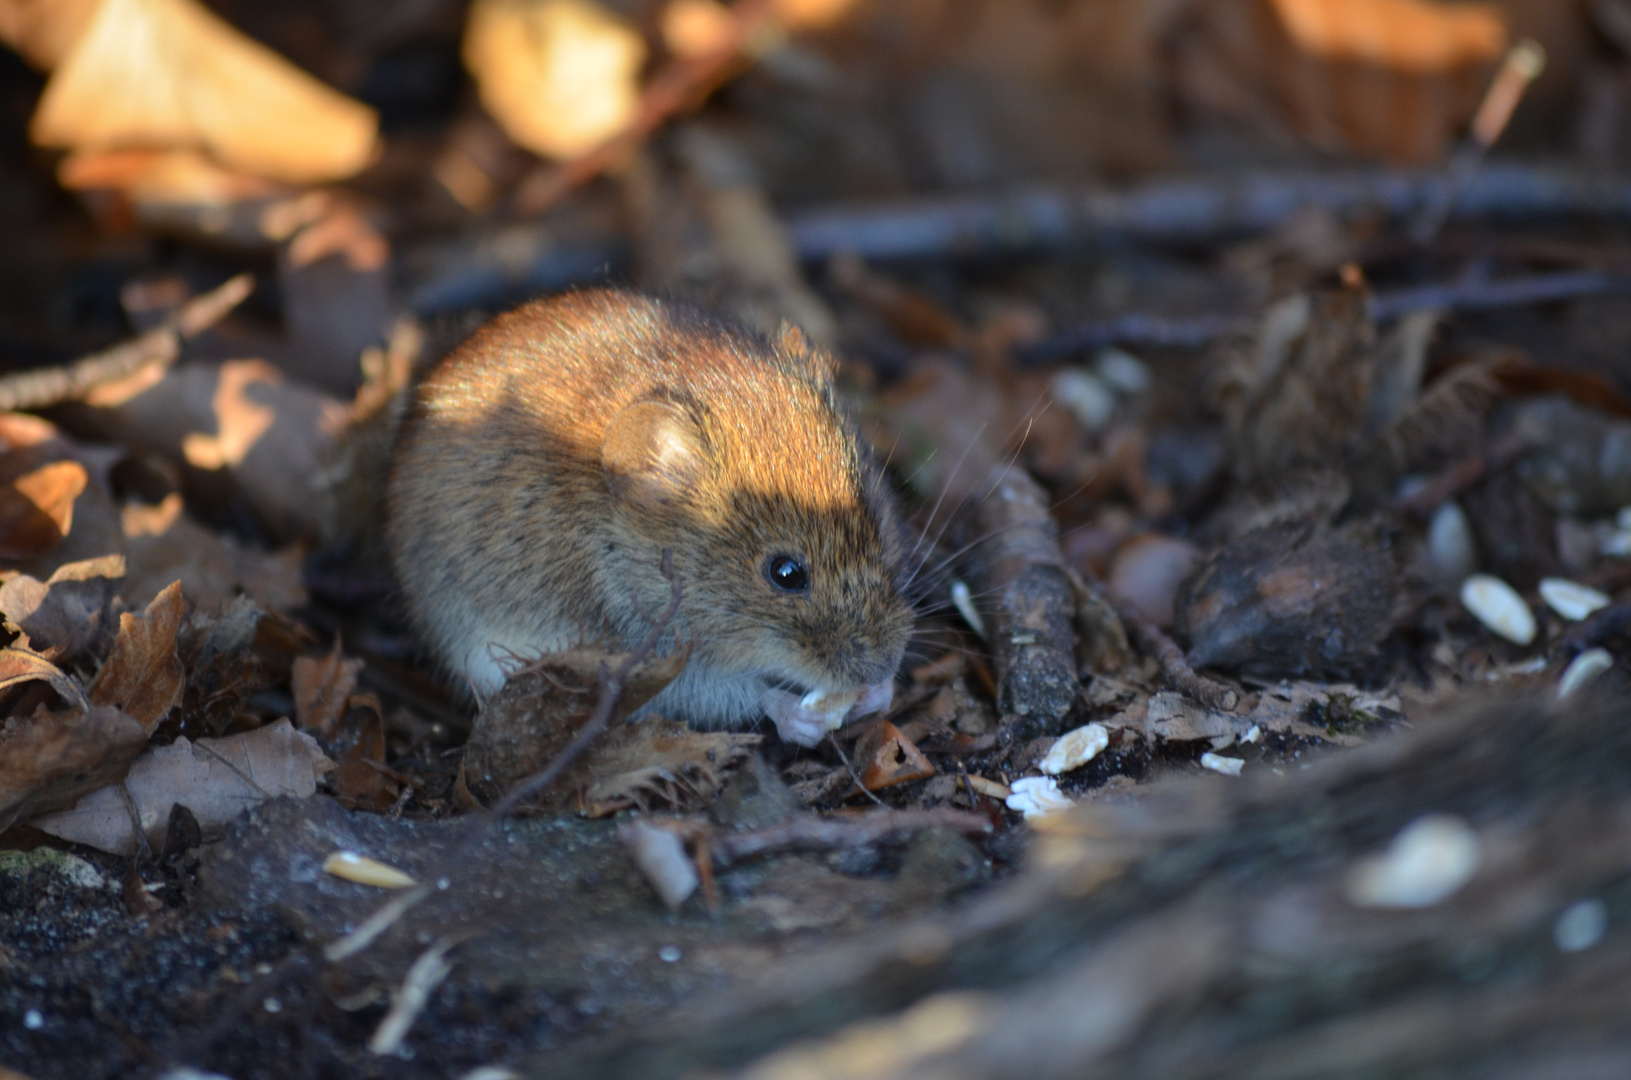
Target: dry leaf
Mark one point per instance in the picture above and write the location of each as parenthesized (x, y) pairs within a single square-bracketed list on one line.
[(169, 74), (165, 545), (522, 727), (248, 430), (18, 666), (1407, 35), (47, 759), (71, 614), (660, 763), (322, 687), (214, 778), (884, 757), (142, 675), (560, 76), (37, 509), (355, 780), (44, 31)]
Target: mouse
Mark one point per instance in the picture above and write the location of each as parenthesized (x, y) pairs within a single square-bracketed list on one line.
[(546, 464)]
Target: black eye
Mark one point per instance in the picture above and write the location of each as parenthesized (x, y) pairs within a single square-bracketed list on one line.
[(787, 573)]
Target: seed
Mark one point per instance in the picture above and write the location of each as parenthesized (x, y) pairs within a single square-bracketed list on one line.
[(1499, 607)]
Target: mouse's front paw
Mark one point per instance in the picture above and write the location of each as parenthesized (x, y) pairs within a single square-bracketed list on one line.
[(796, 722)]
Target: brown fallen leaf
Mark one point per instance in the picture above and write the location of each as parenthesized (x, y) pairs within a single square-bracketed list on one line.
[(37, 509), (355, 780), (142, 676), (44, 31), (214, 778), (69, 615), (662, 763), (884, 757), (168, 73), (522, 727), (164, 544), (322, 686), (18, 666), (560, 76), (245, 431), (49, 759)]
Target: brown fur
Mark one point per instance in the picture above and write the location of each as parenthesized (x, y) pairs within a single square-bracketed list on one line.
[(506, 522)]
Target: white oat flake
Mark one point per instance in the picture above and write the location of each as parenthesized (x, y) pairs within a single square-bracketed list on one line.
[(1498, 606)]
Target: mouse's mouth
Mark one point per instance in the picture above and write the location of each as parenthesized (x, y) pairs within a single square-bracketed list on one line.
[(807, 718)]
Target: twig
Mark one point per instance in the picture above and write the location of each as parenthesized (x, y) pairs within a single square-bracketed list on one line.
[(1463, 474), (611, 690), (839, 750), (1523, 64), (1193, 332), (678, 86), (42, 387), (828, 834), (1175, 670)]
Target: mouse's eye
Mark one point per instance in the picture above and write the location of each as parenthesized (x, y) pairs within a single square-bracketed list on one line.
[(788, 573)]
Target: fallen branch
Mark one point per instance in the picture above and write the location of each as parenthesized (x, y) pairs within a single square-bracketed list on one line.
[(1013, 561), (1175, 670), (681, 85), (1463, 474), (1192, 332), (42, 387), (1189, 211), (832, 834)]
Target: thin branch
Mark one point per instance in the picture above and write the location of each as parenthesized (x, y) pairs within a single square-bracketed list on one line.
[(611, 690), (679, 86), (1463, 474), (42, 387), (1175, 670), (830, 834)]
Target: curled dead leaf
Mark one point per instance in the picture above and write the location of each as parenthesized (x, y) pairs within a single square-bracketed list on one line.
[(884, 757), (522, 727), (168, 73), (19, 666), (660, 763), (214, 778), (37, 509), (322, 686), (358, 779), (49, 759), (143, 676), (69, 615), (559, 75)]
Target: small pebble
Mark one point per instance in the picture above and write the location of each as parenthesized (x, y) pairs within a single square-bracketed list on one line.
[(1450, 544), (1429, 861), (1085, 395), (1075, 749), (1582, 670), (668, 954), (272, 1005), (1122, 370), (1498, 606), (1037, 797), (1580, 926), (33, 1020), (1570, 599), (1228, 766)]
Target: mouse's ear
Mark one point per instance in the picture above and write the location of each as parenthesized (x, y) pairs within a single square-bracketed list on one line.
[(796, 346), (653, 454)]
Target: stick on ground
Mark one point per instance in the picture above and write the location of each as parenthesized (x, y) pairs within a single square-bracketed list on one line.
[(42, 387)]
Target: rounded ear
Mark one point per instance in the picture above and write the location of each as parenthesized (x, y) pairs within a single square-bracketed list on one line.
[(796, 346), (653, 454)]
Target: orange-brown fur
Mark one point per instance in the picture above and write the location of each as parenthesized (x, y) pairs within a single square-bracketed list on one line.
[(509, 534)]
